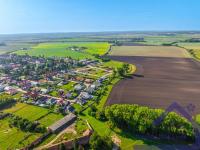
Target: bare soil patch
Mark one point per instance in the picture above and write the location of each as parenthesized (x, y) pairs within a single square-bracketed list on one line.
[(158, 82), (150, 51)]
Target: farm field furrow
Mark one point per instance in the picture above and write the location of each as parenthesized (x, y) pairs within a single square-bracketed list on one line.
[(162, 81)]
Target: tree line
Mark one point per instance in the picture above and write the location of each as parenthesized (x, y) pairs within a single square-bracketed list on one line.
[(5, 101), (138, 119), (25, 124)]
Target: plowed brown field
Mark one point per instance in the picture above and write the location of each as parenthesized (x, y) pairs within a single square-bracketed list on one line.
[(158, 82)]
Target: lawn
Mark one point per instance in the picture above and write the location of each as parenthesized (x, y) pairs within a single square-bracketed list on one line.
[(33, 113), (97, 48), (113, 64), (54, 93), (198, 118), (29, 112), (50, 119), (63, 50), (96, 72), (69, 86), (105, 97), (149, 51), (13, 138)]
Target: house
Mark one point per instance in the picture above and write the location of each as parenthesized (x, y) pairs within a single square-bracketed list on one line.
[(97, 84), (7, 88), (78, 87), (34, 83), (68, 95), (101, 79), (60, 102), (25, 97), (61, 92), (12, 91), (81, 101), (51, 101), (2, 88), (60, 84), (88, 81), (44, 91), (85, 95), (80, 79), (69, 108), (42, 105), (91, 88)]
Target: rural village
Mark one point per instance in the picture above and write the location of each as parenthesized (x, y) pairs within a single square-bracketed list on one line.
[(62, 85), (42, 83), (99, 75)]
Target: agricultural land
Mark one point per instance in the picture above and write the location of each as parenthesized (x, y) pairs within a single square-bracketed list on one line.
[(62, 88)]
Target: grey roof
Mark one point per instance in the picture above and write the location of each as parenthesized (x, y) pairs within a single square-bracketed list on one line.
[(62, 122)]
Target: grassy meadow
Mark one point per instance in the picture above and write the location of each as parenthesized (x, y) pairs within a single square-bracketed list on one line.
[(13, 138), (32, 113), (26, 111)]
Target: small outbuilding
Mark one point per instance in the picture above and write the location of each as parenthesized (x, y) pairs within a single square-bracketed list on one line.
[(62, 123)]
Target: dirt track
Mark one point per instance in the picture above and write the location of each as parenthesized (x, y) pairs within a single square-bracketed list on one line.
[(165, 80)]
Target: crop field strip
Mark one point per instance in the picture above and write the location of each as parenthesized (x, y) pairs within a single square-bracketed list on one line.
[(149, 51), (65, 50)]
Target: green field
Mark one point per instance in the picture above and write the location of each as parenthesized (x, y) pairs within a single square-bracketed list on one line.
[(163, 39), (113, 64), (26, 111), (63, 50), (198, 118), (13, 138), (16, 138), (69, 86), (150, 51), (50, 119), (32, 113)]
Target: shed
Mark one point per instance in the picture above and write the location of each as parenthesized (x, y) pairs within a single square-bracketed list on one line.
[(62, 123)]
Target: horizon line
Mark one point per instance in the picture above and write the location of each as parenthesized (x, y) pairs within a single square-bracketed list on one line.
[(109, 31)]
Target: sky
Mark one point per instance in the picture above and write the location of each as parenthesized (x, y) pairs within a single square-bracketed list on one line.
[(42, 16)]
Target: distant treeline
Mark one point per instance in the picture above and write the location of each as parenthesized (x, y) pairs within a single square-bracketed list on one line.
[(193, 40), (2, 44), (169, 44)]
